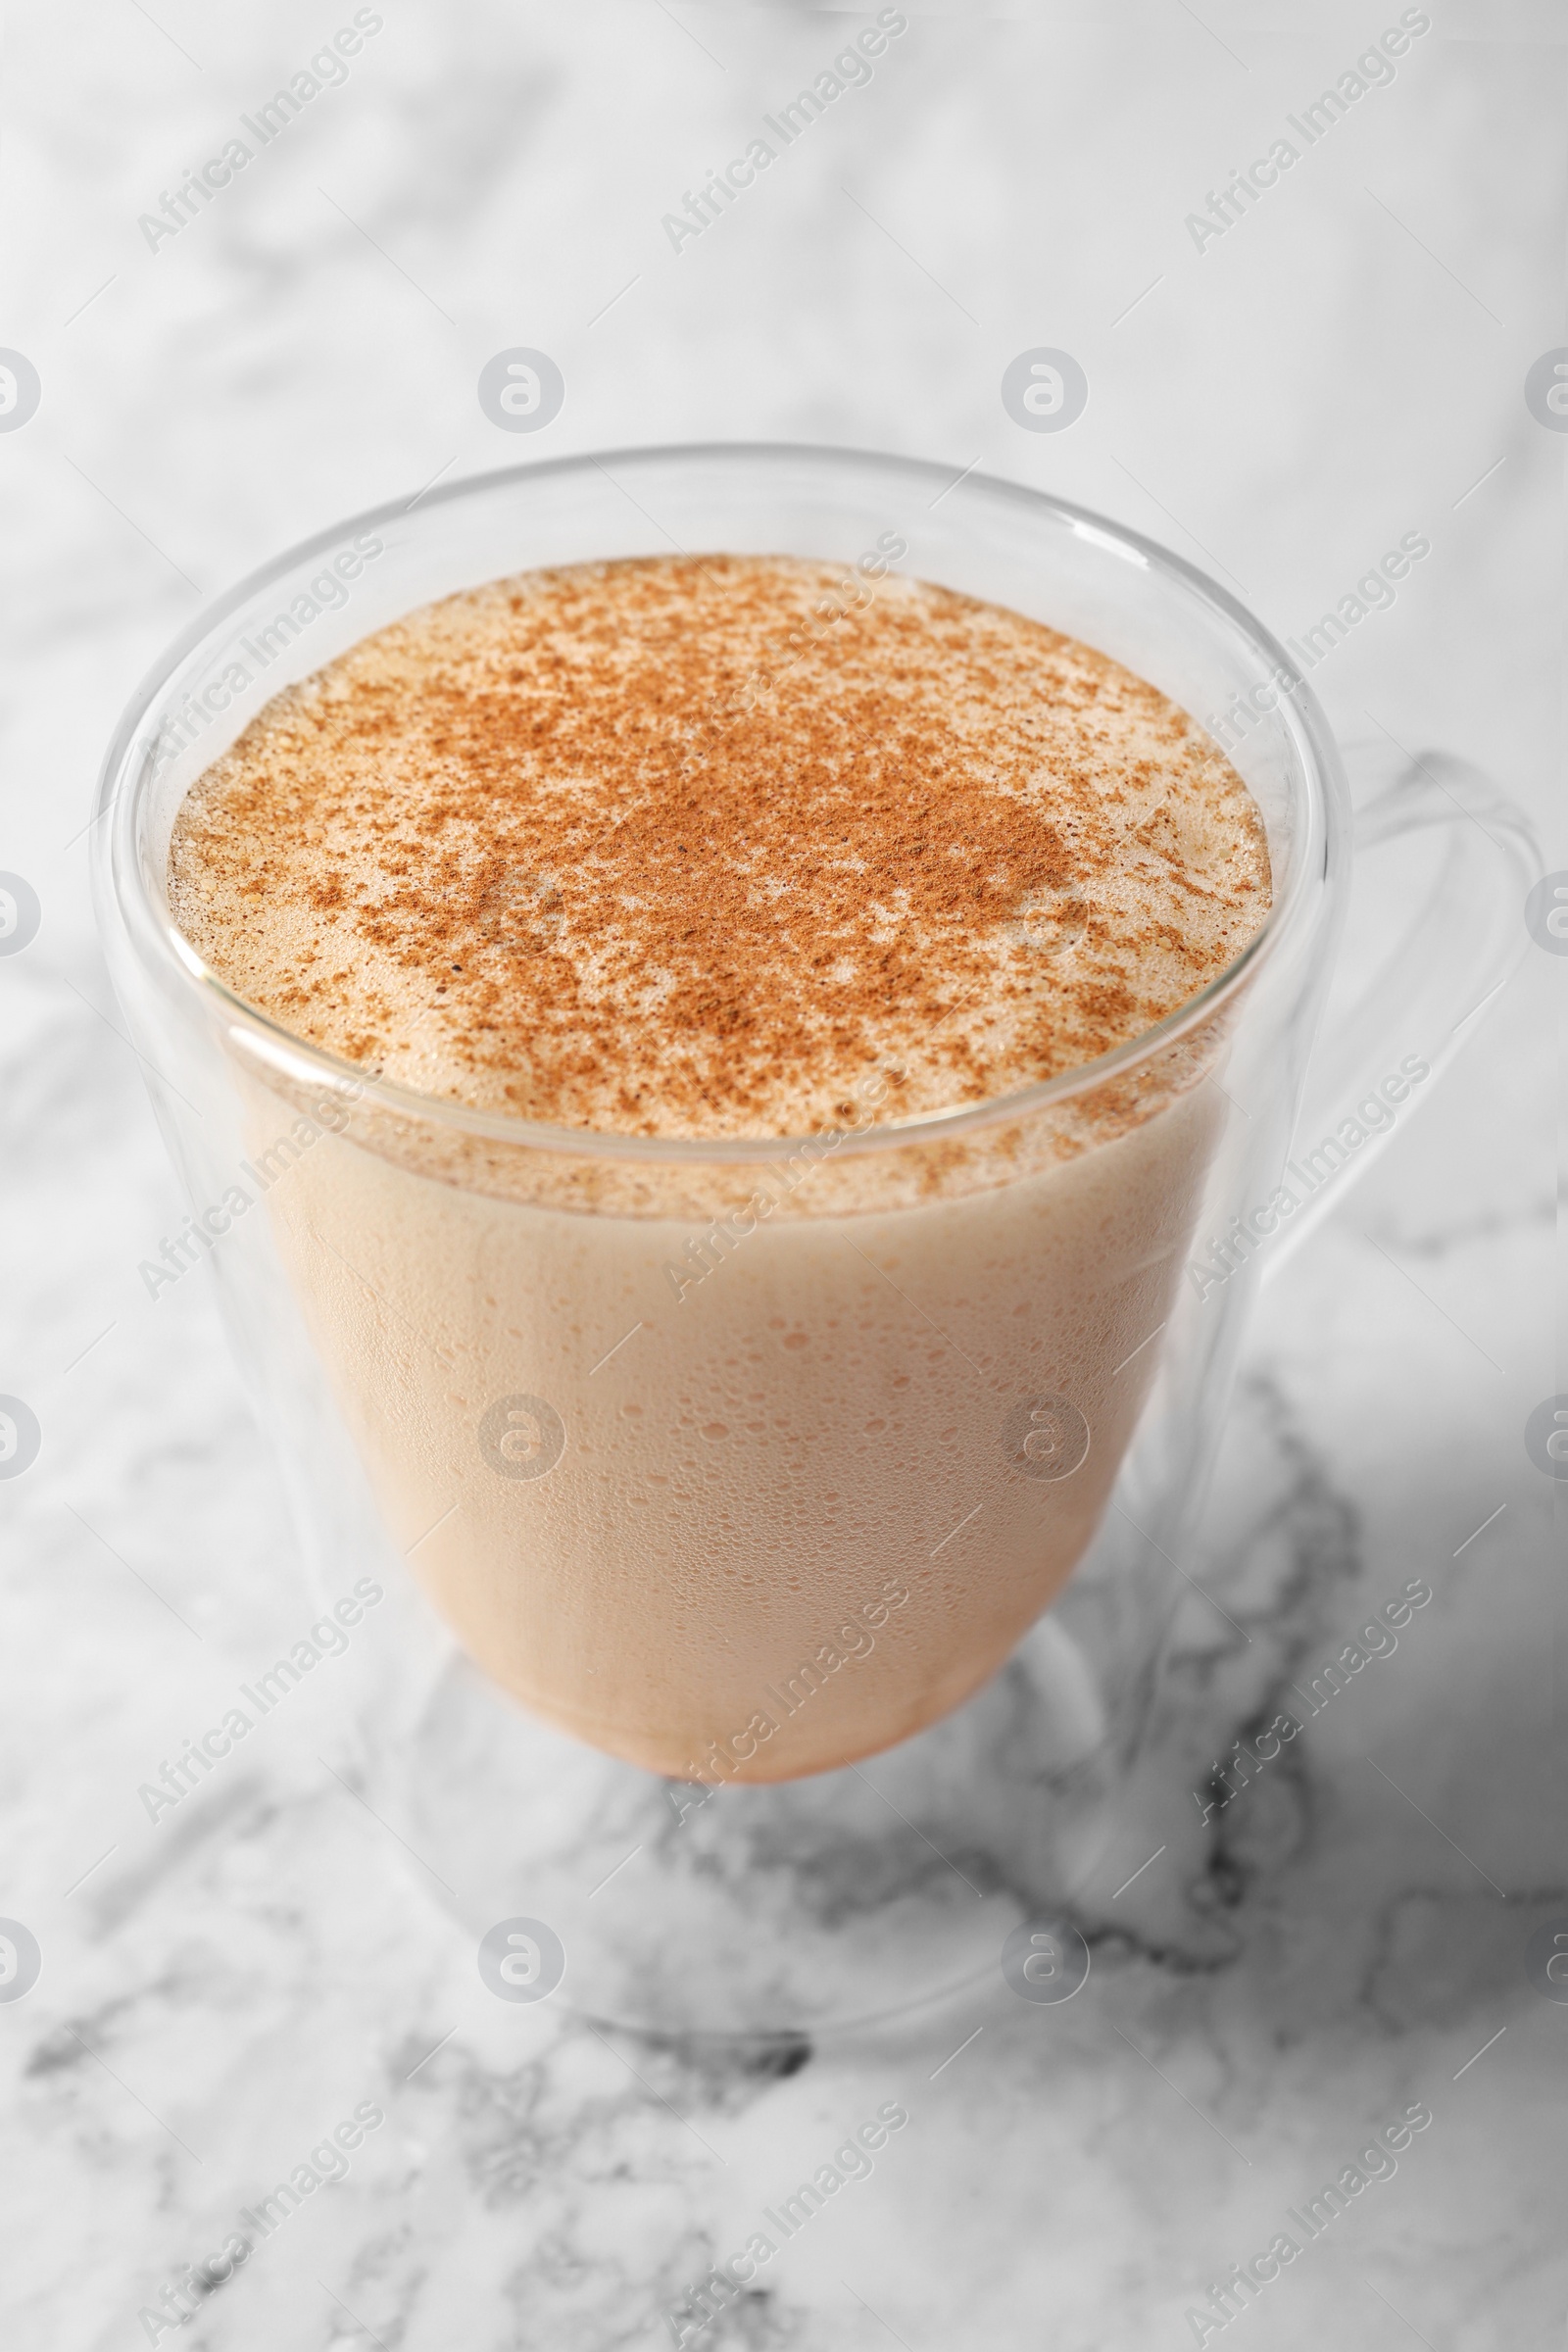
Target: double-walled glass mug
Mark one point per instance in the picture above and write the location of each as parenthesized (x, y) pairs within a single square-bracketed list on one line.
[(774, 1538)]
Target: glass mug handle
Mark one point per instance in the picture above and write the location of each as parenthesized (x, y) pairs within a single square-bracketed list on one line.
[(1440, 977)]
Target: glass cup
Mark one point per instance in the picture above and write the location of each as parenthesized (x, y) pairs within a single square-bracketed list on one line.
[(748, 1562)]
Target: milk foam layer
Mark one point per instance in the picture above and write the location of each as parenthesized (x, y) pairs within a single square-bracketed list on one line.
[(748, 1510), (693, 847)]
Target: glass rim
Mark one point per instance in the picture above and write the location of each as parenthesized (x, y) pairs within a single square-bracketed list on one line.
[(123, 786)]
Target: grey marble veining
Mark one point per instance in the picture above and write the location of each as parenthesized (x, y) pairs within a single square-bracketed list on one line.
[(1340, 1941)]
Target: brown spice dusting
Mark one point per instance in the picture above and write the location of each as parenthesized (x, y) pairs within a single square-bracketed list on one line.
[(693, 846)]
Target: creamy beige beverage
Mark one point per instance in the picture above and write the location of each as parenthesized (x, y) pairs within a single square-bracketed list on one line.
[(746, 1462)]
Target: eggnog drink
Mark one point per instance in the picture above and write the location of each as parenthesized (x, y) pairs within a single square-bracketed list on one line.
[(739, 1388)]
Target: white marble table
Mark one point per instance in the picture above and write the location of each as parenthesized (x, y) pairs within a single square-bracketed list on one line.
[(1348, 1942)]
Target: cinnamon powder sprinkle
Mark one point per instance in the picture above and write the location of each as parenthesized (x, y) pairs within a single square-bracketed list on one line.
[(694, 845)]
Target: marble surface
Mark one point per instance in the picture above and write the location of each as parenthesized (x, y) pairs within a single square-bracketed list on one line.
[(1349, 1940)]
